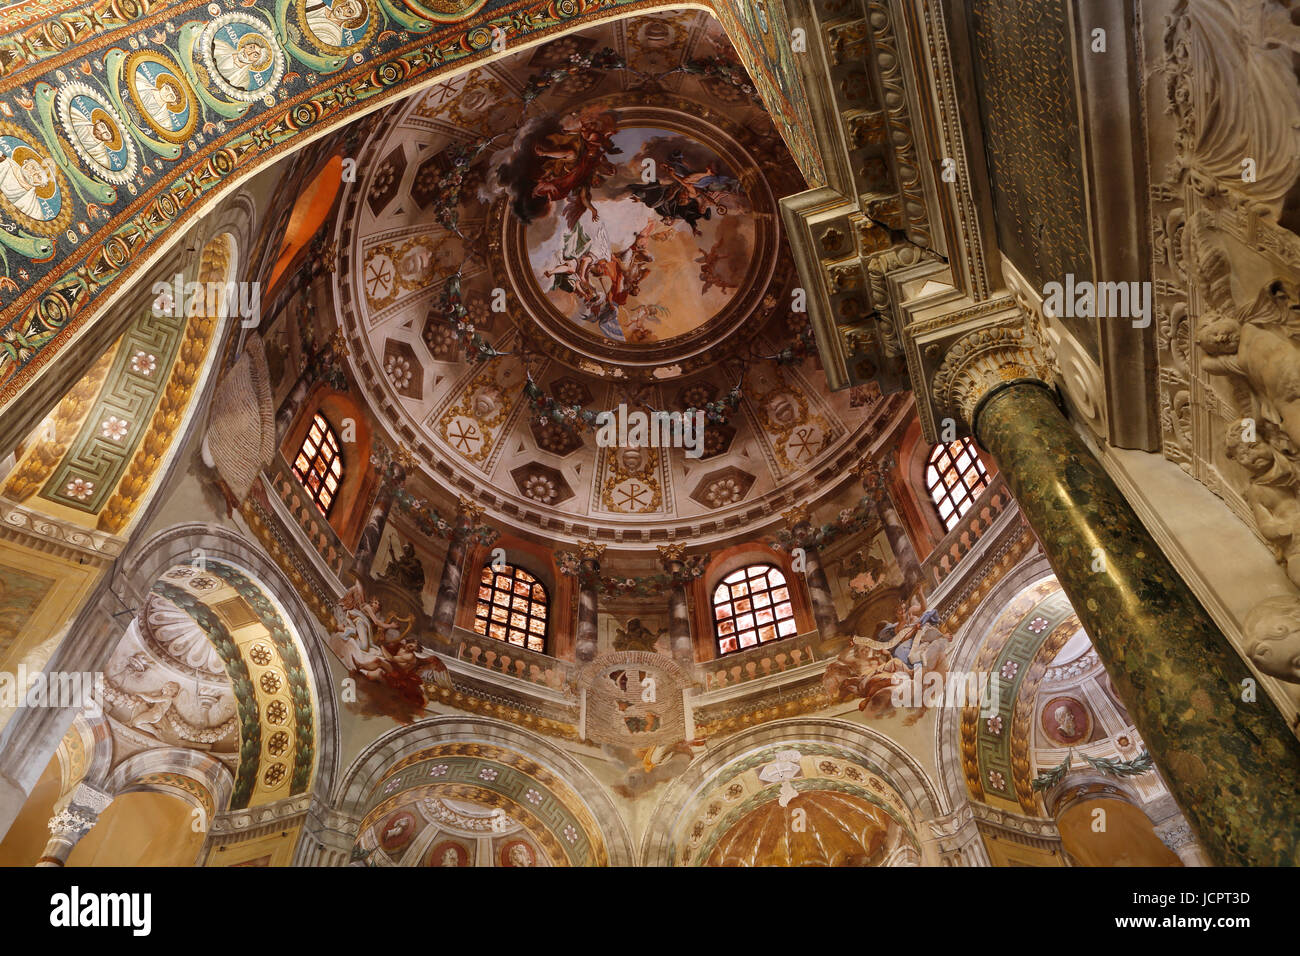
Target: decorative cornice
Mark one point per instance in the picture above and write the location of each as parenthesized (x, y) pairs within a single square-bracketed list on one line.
[(979, 362), (54, 536)]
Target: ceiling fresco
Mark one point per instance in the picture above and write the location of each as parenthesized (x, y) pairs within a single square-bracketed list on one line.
[(119, 120), (609, 262), (609, 232)]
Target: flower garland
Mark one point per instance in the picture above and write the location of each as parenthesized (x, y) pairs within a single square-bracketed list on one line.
[(862, 517), (720, 68), (539, 83), (547, 409), (651, 585), (450, 305), (451, 184), (393, 469)]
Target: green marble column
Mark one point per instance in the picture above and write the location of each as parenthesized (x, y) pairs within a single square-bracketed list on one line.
[(1233, 766)]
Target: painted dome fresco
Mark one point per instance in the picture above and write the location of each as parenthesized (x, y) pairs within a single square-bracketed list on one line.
[(577, 228)]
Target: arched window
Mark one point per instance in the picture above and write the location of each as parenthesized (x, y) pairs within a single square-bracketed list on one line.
[(751, 607), (512, 607), (954, 477), (318, 465)]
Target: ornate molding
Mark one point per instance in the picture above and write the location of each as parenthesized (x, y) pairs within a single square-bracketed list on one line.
[(56, 536)]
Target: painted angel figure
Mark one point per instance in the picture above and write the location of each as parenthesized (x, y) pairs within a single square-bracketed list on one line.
[(574, 162), (361, 631), (685, 195)]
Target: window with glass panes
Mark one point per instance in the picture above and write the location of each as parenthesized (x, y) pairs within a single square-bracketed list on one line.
[(512, 606), (319, 466), (751, 607), (954, 478)]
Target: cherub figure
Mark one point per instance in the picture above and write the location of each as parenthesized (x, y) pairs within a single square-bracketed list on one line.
[(1256, 345), (1271, 494), (1273, 637), (160, 703)]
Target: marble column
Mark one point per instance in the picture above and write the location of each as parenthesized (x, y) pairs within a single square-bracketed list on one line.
[(71, 821), (586, 643), (1231, 764), (444, 608), (874, 476), (679, 618), (819, 591)]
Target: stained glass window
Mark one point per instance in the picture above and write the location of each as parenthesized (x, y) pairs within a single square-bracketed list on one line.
[(751, 607), (954, 478), (512, 607), (319, 466)]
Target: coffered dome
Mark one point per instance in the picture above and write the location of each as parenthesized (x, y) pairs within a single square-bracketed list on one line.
[(604, 210)]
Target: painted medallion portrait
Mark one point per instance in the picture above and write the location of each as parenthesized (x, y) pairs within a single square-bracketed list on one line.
[(31, 185), (1066, 721), (635, 234), (397, 832), (242, 55), (97, 133), (337, 26), (517, 853), (447, 853), (158, 90)]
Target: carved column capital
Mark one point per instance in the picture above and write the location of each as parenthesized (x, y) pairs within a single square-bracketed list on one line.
[(874, 474), (979, 362), (671, 555), (591, 550), (796, 516), (469, 511), (1175, 833), (72, 823)]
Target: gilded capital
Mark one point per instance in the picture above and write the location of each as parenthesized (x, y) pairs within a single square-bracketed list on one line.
[(669, 553), (469, 510), (977, 363), (591, 550), (795, 516), (873, 473)]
